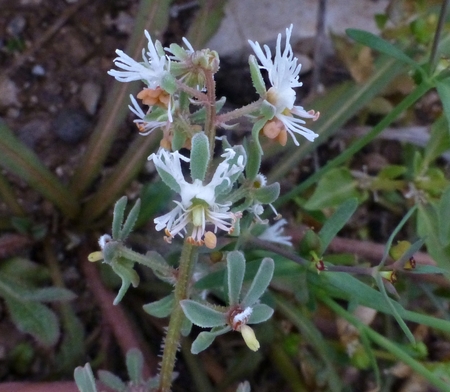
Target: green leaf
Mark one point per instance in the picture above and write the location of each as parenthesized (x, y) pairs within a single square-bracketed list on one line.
[(111, 381), (131, 220), (161, 308), (391, 171), (202, 315), (254, 160), (257, 126), (84, 378), (267, 194), (380, 45), (394, 311), (235, 276), (204, 339), (260, 313), (135, 365), (334, 188), (427, 228), (23, 162), (119, 211), (444, 218), (336, 222), (199, 156), (257, 79), (260, 282), (439, 141), (443, 89), (51, 294), (34, 318)]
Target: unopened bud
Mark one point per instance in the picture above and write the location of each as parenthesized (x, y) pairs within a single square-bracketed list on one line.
[(249, 337)]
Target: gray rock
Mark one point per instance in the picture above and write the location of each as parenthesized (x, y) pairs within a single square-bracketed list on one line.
[(16, 25), (89, 96), (70, 125)]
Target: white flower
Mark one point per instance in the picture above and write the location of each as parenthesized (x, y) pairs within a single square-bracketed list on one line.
[(145, 127), (151, 71), (283, 72), (198, 205), (274, 234)]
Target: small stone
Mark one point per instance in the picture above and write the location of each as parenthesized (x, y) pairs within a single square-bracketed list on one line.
[(16, 25), (70, 125), (89, 96), (8, 93), (38, 70), (33, 131)]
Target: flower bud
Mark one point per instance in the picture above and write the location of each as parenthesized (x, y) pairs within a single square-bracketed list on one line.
[(95, 256), (249, 337)]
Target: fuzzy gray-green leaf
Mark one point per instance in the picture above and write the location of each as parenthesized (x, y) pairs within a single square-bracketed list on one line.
[(161, 308), (204, 339), (84, 378), (202, 315), (119, 210), (199, 156), (260, 282), (260, 313), (268, 194), (131, 220), (135, 364), (257, 79), (111, 381), (235, 275)]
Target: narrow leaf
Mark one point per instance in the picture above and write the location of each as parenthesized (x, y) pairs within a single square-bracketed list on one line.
[(444, 218), (260, 282), (337, 221), (260, 313), (254, 160), (380, 45), (161, 308), (131, 220), (235, 276), (112, 381), (119, 210), (204, 339), (199, 156), (135, 364), (202, 315), (34, 318), (84, 378), (443, 89)]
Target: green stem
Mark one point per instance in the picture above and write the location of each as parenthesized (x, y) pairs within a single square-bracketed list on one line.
[(360, 143), (172, 341), (386, 344), (240, 112), (437, 37)]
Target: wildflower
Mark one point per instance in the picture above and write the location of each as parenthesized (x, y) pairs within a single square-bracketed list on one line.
[(283, 72), (274, 233), (145, 125), (151, 71), (198, 205)]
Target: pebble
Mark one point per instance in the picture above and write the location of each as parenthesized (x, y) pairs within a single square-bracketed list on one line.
[(33, 131), (8, 93), (71, 125), (89, 96), (16, 25), (38, 70)]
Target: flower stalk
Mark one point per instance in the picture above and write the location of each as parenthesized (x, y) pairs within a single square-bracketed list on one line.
[(172, 340)]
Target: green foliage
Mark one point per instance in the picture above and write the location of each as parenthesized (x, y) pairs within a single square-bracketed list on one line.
[(199, 156)]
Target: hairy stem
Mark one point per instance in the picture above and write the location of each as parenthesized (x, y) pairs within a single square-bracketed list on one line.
[(172, 341), (210, 122)]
